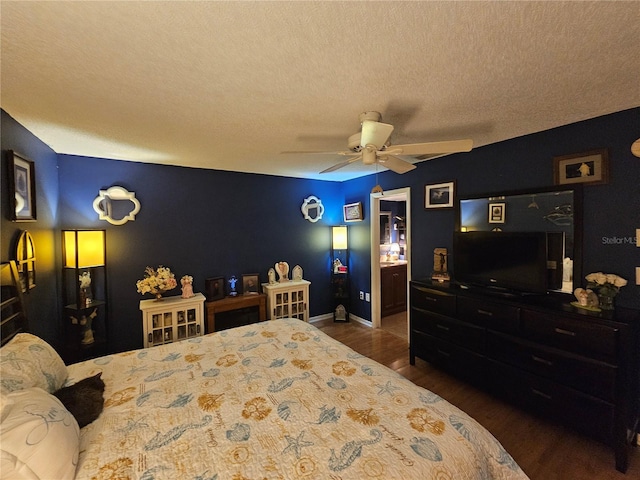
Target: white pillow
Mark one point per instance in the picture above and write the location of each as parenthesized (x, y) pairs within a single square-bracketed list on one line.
[(28, 361), (39, 438)]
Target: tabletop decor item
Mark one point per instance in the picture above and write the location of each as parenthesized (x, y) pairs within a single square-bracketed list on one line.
[(187, 286), (157, 281), (607, 286)]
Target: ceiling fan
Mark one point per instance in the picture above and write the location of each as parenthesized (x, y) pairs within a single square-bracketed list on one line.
[(371, 145)]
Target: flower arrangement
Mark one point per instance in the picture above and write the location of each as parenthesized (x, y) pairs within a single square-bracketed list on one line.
[(157, 281), (608, 285)]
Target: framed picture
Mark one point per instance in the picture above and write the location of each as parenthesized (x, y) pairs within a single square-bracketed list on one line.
[(214, 288), (590, 167), (250, 284), (496, 212), (352, 212), (22, 188), (439, 195)]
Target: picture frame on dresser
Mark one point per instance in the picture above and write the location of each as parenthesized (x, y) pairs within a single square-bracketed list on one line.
[(214, 287), (250, 284), (22, 188)]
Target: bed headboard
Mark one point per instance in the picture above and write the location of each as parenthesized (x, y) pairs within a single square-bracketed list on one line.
[(13, 317)]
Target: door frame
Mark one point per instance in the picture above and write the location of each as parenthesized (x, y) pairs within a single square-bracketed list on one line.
[(374, 213)]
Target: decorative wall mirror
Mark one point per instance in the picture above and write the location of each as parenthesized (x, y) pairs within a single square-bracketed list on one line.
[(553, 209), (26, 261), (116, 205), (312, 208)]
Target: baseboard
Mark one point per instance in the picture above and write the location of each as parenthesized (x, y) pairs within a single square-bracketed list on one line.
[(352, 318)]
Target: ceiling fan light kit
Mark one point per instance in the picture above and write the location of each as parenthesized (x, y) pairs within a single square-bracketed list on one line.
[(372, 146)]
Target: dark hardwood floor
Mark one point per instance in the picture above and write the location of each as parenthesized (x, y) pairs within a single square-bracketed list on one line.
[(544, 450)]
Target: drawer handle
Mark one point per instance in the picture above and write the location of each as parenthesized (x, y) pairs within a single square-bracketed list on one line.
[(442, 327), (541, 394), (542, 360), (485, 312), (430, 299), (562, 331), (446, 354)]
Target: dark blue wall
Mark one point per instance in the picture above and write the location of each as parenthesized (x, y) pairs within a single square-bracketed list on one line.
[(611, 211), (204, 223), (212, 223), (42, 302)]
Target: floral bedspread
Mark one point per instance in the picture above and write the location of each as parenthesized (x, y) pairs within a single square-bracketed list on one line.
[(275, 400)]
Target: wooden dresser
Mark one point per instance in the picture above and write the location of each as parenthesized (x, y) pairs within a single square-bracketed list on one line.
[(577, 368)]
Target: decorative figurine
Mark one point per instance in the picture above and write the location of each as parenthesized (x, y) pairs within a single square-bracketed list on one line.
[(283, 271), (297, 272), (85, 294), (187, 286), (271, 274), (232, 283), (586, 299), (87, 331)]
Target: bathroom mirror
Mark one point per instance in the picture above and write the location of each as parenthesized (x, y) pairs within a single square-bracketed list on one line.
[(552, 209), (116, 205), (385, 228)]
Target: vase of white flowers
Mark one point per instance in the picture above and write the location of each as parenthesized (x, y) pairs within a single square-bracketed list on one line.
[(607, 285), (157, 281)]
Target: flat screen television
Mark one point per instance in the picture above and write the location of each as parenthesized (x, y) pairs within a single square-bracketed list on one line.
[(508, 262)]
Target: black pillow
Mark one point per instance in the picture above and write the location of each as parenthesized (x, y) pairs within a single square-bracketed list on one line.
[(84, 399)]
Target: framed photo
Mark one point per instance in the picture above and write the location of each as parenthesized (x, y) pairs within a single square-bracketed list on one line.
[(590, 167), (352, 212), (22, 188), (439, 195), (496, 212), (214, 288), (250, 284)]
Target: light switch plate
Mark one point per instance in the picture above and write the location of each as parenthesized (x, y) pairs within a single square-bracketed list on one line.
[(367, 296), (637, 275), (637, 237)]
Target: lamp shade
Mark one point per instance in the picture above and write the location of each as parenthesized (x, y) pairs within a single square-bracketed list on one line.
[(83, 248), (340, 238)]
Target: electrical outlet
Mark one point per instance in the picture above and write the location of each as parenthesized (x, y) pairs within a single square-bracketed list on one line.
[(361, 295), (367, 296), (637, 275)]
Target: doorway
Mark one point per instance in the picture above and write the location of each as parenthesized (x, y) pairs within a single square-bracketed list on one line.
[(402, 195)]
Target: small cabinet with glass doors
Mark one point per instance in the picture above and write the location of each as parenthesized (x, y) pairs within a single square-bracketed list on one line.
[(288, 299), (172, 319)]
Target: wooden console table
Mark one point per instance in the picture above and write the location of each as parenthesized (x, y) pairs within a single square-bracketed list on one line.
[(235, 303)]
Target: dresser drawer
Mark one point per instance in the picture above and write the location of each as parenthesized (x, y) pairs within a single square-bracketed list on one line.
[(578, 336), (449, 329), (492, 315), (433, 300), (461, 362), (589, 376), (584, 413)]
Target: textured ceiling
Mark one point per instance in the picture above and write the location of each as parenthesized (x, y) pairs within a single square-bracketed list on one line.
[(231, 85)]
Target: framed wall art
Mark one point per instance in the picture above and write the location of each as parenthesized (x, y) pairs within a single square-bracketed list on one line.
[(250, 284), (352, 212), (590, 168), (496, 212), (22, 188), (439, 195)]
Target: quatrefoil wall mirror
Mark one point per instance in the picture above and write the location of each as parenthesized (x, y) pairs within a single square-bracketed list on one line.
[(116, 205)]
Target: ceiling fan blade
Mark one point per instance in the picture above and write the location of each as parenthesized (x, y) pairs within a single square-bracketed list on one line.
[(307, 152), (342, 164), (375, 133), (396, 164), (451, 146)]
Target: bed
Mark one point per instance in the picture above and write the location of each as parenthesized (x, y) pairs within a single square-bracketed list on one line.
[(272, 400)]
